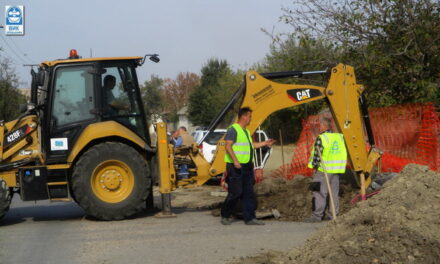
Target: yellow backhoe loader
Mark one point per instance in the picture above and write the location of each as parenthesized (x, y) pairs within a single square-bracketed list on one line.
[(84, 134)]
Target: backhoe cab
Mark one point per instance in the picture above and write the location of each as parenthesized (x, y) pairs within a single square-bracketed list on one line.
[(84, 137)]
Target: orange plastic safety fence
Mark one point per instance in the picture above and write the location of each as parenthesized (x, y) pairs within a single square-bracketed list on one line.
[(406, 133)]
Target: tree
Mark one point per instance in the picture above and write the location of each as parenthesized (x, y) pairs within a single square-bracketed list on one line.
[(394, 44), (177, 92), (301, 52), (10, 97), (152, 97), (217, 84)]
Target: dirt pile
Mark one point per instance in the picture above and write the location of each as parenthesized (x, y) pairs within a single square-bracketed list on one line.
[(399, 225), (292, 198)]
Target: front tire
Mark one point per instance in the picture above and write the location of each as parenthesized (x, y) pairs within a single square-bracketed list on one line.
[(111, 181)]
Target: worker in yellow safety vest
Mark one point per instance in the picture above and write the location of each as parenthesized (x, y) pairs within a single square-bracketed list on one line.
[(239, 168), (331, 148)]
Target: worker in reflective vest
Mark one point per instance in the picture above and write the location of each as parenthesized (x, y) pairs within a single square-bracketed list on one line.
[(239, 168), (332, 150)]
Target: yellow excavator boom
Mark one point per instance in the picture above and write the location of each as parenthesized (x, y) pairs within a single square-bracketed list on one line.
[(264, 96)]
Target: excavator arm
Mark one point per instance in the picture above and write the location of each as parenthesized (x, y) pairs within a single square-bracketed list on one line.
[(265, 96)]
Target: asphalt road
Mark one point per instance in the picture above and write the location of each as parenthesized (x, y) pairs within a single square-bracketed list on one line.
[(47, 232)]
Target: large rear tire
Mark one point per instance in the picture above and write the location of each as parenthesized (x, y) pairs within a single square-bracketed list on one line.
[(111, 181), (5, 198)]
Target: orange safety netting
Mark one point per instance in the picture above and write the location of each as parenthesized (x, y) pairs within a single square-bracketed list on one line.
[(406, 133)]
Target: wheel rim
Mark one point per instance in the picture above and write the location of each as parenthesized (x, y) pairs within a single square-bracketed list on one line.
[(112, 181)]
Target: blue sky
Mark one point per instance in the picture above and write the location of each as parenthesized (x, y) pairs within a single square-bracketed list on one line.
[(185, 33)]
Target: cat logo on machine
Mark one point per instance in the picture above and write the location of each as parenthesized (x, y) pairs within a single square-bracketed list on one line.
[(302, 95), (299, 95)]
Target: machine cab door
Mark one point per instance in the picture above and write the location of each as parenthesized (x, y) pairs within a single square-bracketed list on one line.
[(120, 97), (72, 108)]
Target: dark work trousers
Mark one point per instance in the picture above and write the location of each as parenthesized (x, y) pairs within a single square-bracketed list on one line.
[(240, 187)]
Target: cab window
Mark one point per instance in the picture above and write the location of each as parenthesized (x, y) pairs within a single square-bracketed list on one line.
[(73, 95), (120, 98)]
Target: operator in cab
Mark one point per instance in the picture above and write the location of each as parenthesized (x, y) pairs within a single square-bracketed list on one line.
[(114, 105), (329, 155), (240, 170)]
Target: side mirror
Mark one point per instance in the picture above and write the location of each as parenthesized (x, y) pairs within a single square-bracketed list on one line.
[(154, 58)]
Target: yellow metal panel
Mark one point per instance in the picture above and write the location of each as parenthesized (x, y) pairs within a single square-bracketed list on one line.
[(10, 124), (218, 164), (60, 199), (9, 177), (58, 166), (265, 97), (33, 148), (57, 183), (166, 160), (202, 166), (343, 93), (103, 130), (55, 62), (15, 148)]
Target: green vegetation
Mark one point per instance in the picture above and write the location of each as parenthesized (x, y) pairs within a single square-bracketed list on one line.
[(218, 82), (394, 46), (10, 97), (151, 93), (165, 97)]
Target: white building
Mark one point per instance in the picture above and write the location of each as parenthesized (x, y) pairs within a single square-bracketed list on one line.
[(183, 120)]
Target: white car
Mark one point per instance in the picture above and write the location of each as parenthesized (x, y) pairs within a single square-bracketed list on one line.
[(209, 145)]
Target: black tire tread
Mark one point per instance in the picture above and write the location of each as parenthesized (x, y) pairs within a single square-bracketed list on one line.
[(83, 192), (5, 198)]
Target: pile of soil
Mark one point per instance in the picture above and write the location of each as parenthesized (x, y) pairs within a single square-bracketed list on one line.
[(293, 199), (399, 225)]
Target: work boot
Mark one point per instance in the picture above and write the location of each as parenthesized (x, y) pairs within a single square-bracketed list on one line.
[(226, 221), (311, 219), (327, 218), (255, 222)]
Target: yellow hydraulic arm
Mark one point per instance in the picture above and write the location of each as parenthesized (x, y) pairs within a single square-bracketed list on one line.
[(265, 97)]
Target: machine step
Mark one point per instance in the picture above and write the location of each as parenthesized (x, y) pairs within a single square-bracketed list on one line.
[(58, 191), (57, 183), (61, 199)]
